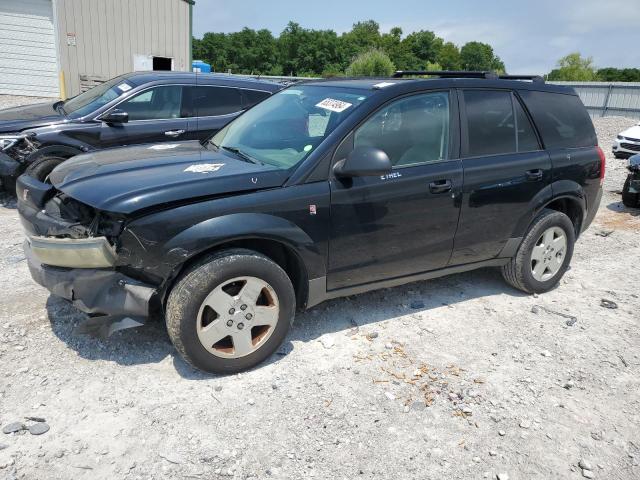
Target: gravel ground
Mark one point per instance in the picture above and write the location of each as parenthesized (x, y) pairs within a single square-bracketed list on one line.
[(455, 378), (8, 101)]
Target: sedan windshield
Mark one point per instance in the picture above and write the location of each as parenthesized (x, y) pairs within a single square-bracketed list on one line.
[(91, 100), (286, 128)]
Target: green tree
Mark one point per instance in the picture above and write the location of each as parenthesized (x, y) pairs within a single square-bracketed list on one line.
[(372, 63), (397, 49), (361, 38), (574, 68), (611, 74), (424, 46), (449, 57), (480, 56)]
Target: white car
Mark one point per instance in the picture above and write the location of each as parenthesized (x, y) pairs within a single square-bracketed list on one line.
[(627, 143)]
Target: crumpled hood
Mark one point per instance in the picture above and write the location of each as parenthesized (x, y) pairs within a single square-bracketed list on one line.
[(29, 116), (124, 180), (633, 132)]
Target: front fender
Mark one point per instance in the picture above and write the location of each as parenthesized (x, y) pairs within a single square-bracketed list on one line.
[(54, 150), (161, 259)]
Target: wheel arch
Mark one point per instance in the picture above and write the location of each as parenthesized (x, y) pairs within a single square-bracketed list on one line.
[(64, 151), (275, 237)]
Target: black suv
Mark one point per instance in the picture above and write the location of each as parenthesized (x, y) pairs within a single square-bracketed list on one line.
[(326, 189), (134, 108)]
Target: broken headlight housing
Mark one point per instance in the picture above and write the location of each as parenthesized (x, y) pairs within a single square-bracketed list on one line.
[(8, 141)]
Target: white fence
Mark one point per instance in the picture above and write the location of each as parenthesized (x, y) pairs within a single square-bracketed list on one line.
[(604, 99)]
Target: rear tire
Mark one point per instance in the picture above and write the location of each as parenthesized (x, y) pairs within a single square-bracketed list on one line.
[(42, 167), (215, 323), (544, 254), (631, 200)]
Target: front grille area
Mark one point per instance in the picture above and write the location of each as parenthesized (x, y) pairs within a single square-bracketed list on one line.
[(629, 139), (630, 146)]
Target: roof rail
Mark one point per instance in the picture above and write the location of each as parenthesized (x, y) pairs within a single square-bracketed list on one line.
[(533, 78), (445, 74), (464, 74)]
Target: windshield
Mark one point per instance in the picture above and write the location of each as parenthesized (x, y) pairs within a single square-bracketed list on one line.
[(91, 100), (287, 127)]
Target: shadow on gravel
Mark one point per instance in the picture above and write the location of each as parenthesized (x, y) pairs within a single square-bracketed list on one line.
[(619, 207), (150, 343)]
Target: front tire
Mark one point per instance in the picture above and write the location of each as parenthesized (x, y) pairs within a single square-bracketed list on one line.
[(544, 254), (42, 167), (230, 311), (631, 200)]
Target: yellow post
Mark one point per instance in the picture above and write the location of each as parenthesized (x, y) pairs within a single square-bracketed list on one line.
[(63, 88)]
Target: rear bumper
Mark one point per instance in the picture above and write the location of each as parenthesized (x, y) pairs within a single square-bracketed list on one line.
[(100, 292), (593, 210)]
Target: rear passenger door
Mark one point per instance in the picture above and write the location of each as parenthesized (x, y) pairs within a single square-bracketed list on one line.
[(214, 107), (506, 173)]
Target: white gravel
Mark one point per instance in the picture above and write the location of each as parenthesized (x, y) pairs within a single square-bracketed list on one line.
[(480, 382), (8, 101)]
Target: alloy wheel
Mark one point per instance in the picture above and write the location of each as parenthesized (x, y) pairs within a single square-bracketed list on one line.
[(548, 254), (238, 317)]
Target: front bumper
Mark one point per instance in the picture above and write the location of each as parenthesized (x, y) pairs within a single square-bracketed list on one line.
[(112, 297), (626, 147)]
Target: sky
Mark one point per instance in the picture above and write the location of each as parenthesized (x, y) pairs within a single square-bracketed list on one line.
[(529, 36)]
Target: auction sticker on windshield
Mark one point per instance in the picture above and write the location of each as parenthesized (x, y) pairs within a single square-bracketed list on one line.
[(334, 105)]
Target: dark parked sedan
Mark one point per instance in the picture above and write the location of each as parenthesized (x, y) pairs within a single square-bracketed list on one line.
[(135, 108)]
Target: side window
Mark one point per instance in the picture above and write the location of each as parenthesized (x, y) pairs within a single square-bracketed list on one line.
[(213, 101), (527, 140), (490, 122), (562, 119), (253, 97), (159, 103), (413, 130)]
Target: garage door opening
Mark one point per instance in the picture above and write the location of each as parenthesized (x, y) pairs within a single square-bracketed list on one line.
[(162, 63)]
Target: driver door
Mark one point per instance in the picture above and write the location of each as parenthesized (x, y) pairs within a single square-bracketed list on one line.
[(404, 222), (158, 114)]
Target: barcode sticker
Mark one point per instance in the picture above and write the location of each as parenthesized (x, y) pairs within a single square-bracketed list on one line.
[(334, 105)]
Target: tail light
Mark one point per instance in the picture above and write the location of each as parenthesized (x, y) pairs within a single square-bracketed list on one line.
[(603, 164)]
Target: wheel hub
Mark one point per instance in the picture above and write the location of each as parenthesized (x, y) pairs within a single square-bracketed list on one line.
[(547, 257), (237, 317)]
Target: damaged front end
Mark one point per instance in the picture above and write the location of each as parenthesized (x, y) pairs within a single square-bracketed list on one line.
[(72, 250), (15, 149)]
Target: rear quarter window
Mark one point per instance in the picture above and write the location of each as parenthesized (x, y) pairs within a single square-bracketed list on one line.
[(562, 120)]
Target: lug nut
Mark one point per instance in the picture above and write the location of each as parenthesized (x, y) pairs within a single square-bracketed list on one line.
[(229, 323), (232, 311), (240, 326), (243, 307), (248, 316)]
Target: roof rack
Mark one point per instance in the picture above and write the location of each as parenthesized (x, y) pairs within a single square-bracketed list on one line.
[(465, 74)]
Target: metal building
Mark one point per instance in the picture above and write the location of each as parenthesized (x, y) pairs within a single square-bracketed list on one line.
[(58, 48)]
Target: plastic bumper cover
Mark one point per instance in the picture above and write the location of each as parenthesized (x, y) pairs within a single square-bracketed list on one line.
[(116, 300)]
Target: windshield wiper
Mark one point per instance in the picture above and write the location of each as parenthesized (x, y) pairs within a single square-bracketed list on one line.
[(243, 155)]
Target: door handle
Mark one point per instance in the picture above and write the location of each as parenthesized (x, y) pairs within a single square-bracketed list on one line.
[(440, 186), (534, 175), (174, 133)]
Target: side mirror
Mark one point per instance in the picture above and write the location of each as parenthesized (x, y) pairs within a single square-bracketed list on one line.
[(363, 162), (634, 161), (115, 116)]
